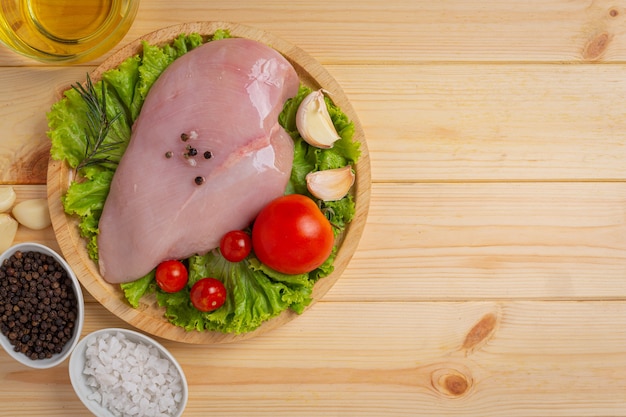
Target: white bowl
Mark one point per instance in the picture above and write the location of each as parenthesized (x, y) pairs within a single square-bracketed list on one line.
[(56, 359), (79, 379)]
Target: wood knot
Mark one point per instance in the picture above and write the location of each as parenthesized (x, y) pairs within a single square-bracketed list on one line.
[(482, 331), (32, 166), (613, 12), (596, 46), (451, 382)]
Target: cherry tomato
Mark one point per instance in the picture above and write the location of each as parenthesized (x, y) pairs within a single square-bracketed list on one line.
[(235, 245), (208, 294), (291, 235), (171, 276)]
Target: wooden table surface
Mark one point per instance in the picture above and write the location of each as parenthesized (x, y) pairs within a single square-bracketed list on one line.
[(491, 276)]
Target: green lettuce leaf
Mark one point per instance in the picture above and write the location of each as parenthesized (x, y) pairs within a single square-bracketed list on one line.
[(135, 290), (153, 63), (183, 44), (220, 34), (340, 212), (66, 121), (122, 82), (86, 200)]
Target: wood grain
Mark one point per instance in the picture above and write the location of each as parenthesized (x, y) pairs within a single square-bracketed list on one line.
[(412, 363), (479, 241), (489, 279), (492, 122), (149, 317), (491, 241), (423, 123), (408, 31)]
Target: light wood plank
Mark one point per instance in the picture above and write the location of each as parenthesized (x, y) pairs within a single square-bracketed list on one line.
[(479, 241), (422, 123), (423, 31), (24, 148), (413, 30), (394, 359), (490, 277), (491, 122), (490, 240)]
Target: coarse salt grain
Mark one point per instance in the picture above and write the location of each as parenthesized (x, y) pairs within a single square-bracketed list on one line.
[(130, 378)]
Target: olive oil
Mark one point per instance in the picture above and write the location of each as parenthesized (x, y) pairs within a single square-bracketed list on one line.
[(64, 30)]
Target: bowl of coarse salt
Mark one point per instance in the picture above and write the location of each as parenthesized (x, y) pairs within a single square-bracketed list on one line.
[(119, 372)]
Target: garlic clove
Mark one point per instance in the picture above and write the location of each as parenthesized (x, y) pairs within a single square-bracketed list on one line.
[(33, 214), (314, 123), (8, 229), (7, 198), (330, 184)]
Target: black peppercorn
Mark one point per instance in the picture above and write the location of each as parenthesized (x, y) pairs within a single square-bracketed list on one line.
[(38, 309), (199, 180), (208, 155)]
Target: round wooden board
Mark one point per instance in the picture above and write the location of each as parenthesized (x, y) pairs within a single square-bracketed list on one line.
[(149, 317)]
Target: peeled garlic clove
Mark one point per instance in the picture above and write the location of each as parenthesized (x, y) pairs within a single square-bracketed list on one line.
[(8, 229), (7, 198), (330, 184), (33, 213), (314, 123)]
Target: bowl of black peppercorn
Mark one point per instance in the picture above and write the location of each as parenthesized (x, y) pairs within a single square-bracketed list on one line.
[(41, 306)]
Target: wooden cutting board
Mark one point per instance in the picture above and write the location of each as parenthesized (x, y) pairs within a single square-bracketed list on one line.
[(149, 316)]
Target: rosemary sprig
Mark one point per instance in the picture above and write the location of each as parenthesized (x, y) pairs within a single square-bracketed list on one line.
[(98, 126)]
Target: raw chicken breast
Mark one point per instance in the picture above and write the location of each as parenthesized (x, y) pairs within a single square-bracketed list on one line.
[(206, 154)]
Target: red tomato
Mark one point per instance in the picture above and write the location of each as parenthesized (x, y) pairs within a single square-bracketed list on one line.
[(171, 276), (208, 294), (291, 235), (235, 245)]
